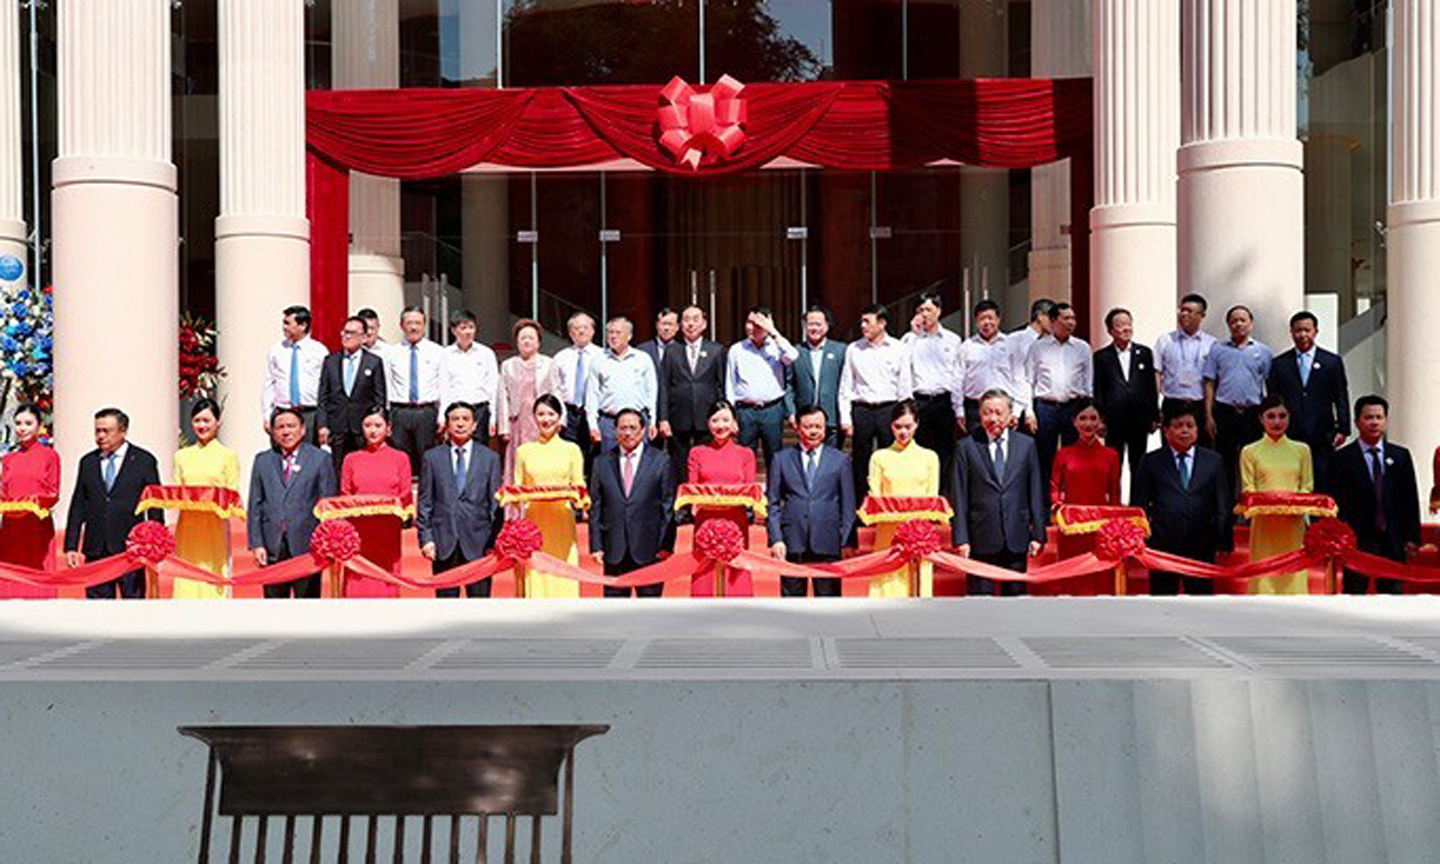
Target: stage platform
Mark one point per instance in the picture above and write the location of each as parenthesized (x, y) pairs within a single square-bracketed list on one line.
[(952, 730)]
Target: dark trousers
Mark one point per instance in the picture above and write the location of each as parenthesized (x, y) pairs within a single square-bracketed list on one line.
[(342, 444), (577, 431), (1321, 449), (478, 588), (794, 586), (1128, 439), (1166, 584), (1197, 408), (1235, 427), (680, 453), (312, 429), (129, 586), (482, 423), (1015, 561), (762, 428), (871, 425), (1359, 583), (834, 437), (1054, 426), (628, 565), (412, 430), (936, 432), (306, 587)]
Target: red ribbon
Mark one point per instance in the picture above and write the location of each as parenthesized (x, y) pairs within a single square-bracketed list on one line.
[(695, 124)]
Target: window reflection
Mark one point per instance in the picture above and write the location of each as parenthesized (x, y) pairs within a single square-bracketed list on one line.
[(768, 40), (551, 43)]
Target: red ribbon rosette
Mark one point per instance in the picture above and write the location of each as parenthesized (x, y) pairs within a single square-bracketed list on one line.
[(519, 539), (1330, 538), (336, 540), (150, 542), (696, 125), (719, 540), (915, 541), (1119, 539)]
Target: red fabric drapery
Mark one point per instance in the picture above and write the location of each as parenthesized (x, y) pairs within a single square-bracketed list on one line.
[(854, 125)]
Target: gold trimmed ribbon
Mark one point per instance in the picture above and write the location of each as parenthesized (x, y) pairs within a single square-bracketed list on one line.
[(1074, 519), (750, 495), (886, 509), (36, 505), (1254, 504), (354, 506), (576, 495), (215, 500)]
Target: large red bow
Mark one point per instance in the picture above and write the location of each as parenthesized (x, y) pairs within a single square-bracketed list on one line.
[(694, 125)]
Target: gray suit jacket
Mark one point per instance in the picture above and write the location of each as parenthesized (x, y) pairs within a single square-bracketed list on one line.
[(995, 514), (277, 509), (448, 518)]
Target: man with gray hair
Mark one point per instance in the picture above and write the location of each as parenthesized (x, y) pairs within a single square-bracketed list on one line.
[(572, 367), (624, 377)]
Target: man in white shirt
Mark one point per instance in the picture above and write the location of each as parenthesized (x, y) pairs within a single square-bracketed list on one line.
[(877, 374), (292, 371), (935, 368), (373, 343), (469, 374), (755, 372), (1060, 370), (572, 368), (991, 360), (1180, 358), (623, 377), (412, 371)]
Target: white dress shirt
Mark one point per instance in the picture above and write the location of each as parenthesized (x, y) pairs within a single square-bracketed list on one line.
[(430, 357), (468, 376), (995, 365), (276, 392), (1180, 360), (567, 362), (1060, 371), (618, 381), (633, 458), (874, 372), (755, 374), (455, 452), (1124, 355), (935, 360)]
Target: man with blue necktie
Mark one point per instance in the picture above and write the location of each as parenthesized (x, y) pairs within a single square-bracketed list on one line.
[(111, 479), (352, 381), (292, 371), (1312, 382), (812, 504), (458, 519), (412, 384)]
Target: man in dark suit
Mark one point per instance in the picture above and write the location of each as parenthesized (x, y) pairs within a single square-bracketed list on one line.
[(1186, 496), (458, 518), (812, 503), (352, 381), (667, 324), (1125, 389), (814, 377), (1312, 382), (692, 380), (1373, 482), (999, 500), (285, 483), (631, 505), (109, 484)]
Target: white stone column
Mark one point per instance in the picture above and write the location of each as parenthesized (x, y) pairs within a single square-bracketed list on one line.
[(985, 192), (262, 239), (366, 46), (1241, 191), (115, 226), (1060, 44), (1137, 131), (1412, 360), (12, 178)]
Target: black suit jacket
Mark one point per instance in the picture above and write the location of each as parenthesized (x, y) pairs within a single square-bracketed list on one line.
[(1126, 404), (107, 517), (641, 524), (470, 520), (1194, 521), (998, 514), (339, 412), (1320, 409), (685, 399), (1348, 482)]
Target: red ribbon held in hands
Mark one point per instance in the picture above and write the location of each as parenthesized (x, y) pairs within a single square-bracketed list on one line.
[(695, 125)]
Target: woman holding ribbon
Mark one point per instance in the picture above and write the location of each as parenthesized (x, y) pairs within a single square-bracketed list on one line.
[(30, 472), (1085, 473), (551, 461), (202, 536), (1276, 464), (376, 469), (722, 461), (904, 469)]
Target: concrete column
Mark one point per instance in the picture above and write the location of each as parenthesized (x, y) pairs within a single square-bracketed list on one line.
[(366, 44), (1241, 190), (1412, 355), (1137, 131), (115, 226), (1059, 48), (985, 192), (262, 239), (12, 178)]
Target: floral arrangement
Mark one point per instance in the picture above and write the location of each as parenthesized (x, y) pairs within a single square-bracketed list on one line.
[(913, 541), (1330, 538), (200, 369), (27, 344), (719, 540), (1120, 539), (336, 540), (150, 542), (519, 539)]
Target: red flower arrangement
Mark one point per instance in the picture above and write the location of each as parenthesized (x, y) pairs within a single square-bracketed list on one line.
[(335, 540), (719, 540), (150, 542), (915, 540), (1119, 539), (1330, 538), (519, 540), (200, 370)]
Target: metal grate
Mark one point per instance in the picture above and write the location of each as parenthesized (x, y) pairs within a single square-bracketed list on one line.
[(19, 650), (342, 654), (726, 654), (1263, 651), (137, 654), (960, 653), (480, 654), (1122, 652)]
